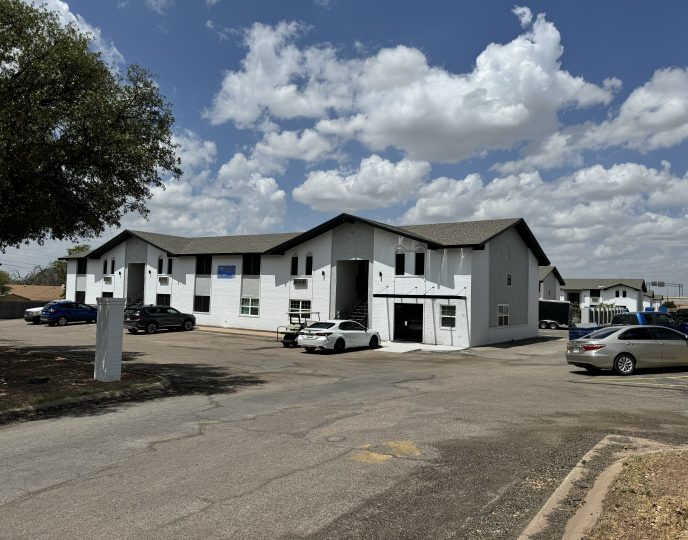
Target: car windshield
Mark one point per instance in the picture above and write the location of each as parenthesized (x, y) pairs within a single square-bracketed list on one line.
[(321, 325), (601, 334)]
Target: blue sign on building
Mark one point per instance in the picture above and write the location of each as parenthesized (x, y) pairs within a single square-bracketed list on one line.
[(226, 272)]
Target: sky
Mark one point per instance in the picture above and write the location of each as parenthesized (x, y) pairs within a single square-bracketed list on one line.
[(572, 115)]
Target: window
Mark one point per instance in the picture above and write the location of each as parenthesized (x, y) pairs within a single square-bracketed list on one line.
[(309, 265), (161, 265), (601, 334), (399, 269), (617, 294), (250, 306), (81, 266), (508, 279), (106, 295), (352, 325), (162, 299), (300, 306), (202, 304), (105, 267), (203, 265), (448, 316), (112, 266), (502, 314), (640, 333), (624, 319), (80, 297), (169, 267), (251, 264), (667, 334), (624, 294), (420, 263), (295, 265)]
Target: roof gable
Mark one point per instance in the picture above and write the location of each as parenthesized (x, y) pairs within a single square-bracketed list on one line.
[(547, 270), (579, 284)]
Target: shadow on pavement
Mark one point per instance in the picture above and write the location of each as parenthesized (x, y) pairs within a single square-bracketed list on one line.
[(184, 379)]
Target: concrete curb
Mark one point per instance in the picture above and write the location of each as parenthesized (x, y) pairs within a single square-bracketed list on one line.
[(586, 516), (11, 414)]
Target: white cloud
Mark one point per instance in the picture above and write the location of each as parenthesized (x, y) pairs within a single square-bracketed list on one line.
[(159, 6), (377, 183), (525, 16), (309, 145), (101, 44), (653, 116), (396, 98), (626, 219)]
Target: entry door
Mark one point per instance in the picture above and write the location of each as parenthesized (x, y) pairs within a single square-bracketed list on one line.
[(408, 322)]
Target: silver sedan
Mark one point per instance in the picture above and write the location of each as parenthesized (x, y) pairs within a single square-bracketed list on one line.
[(627, 348)]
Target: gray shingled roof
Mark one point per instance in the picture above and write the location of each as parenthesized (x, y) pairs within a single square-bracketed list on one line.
[(462, 232), (466, 233), (547, 270), (574, 284)]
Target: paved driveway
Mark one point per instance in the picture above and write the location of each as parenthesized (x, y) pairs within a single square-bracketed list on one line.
[(358, 445)]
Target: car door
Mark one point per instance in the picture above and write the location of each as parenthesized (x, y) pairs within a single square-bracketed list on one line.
[(170, 316), (673, 345), (86, 313), (358, 333), (349, 335), (641, 343)]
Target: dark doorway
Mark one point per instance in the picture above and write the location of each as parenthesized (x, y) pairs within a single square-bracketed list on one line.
[(408, 322), (352, 291), (574, 297)]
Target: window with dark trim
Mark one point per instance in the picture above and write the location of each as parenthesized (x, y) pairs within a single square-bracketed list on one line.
[(202, 304), (163, 299), (309, 265), (81, 266), (161, 265), (508, 279), (251, 264), (112, 266), (80, 296), (399, 263), (420, 263), (502, 314), (169, 266), (624, 294), (106, 295), (295, 265), (105, 267), (203, 265), (617, 294), (448, 316)]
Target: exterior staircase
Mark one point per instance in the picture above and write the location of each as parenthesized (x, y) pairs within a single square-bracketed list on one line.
[(360, 313)]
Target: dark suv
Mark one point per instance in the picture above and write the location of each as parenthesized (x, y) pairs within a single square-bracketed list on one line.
[(150, 318)]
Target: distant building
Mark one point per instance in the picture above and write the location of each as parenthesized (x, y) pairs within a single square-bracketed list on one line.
[(631, 294), (550, 283)]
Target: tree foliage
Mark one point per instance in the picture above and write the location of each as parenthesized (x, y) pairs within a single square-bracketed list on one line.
[(53, 274), (80, 144), (5, 282)]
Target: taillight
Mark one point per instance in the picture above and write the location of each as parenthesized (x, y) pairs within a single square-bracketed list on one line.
[(593, 347)]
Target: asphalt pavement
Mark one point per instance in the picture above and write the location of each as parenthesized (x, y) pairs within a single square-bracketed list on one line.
[(359, 445)]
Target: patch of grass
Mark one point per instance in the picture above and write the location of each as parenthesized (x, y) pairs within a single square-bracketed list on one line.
[(30, 379), (648, 499)]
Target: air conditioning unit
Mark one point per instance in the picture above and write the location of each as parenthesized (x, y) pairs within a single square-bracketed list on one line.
[(163, 280), (107, 280), (300, 283), (594, 299)]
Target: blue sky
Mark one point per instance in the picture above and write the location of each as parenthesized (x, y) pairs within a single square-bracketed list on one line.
[(573, 115)]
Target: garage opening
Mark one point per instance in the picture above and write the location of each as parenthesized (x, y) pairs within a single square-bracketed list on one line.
[(408, 322)]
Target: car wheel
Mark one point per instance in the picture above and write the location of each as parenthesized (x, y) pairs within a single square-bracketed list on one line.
[(151, 328), (188, 325), (339, 346), (285, 344), (62, 321), (310, 349), (132, 330), (374, 342), (553, 326), (624, 364), (542, 325)]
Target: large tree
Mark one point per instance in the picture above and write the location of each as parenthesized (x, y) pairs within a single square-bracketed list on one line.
[(80, 143)]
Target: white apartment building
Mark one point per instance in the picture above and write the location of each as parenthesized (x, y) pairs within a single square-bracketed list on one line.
[(631, 294), (460, 284)]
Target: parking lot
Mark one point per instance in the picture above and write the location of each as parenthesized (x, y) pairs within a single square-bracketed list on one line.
[(357, 445)]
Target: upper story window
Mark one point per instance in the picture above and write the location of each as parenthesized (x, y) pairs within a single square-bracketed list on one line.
[(295, 265), (112, 266), (617, 294), (169, 266), (309, 265), (81, 266), (400, 263), (203, 265), (105, 267), (251, 264), (624, 294), (161, 265), (420, 263), (508, 279)]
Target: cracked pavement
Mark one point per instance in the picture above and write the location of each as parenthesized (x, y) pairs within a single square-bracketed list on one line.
[(491, 433)]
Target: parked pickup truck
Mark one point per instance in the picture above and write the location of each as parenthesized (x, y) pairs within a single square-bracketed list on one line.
[(641, 318)]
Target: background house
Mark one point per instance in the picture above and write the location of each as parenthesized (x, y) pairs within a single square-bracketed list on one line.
[(550, 283)]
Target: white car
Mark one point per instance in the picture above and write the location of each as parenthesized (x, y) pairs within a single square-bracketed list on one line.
[(337, 335)]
